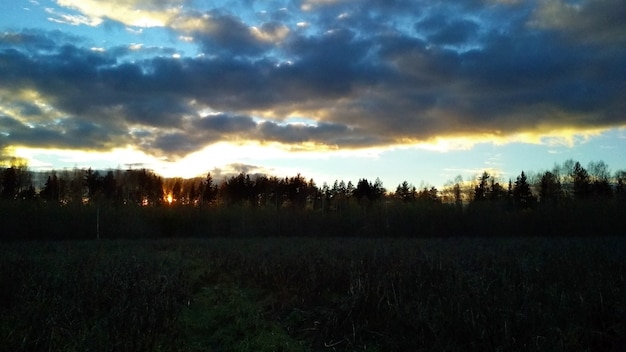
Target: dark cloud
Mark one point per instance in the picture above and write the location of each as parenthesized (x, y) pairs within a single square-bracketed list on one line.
[(226, 34), (34, 40), (245, 168), (225, 123), (68, 133), (157, 112), (139, 52), (362, 74), (290, 133), (178, 143), (517, 71), (9, 124), (28, 109), (600, 22)]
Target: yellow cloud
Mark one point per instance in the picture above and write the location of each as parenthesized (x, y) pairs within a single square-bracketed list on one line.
[(568, 137), (198, 23), (137, 13), (35, 99), (276, 35), (309, 5)]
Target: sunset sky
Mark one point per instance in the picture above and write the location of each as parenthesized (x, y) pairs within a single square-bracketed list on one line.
[(421, 91)]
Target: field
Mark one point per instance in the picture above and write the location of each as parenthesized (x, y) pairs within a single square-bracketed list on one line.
[(296, 294)]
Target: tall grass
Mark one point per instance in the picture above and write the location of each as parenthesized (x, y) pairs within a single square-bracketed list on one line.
[(400, 295), (295, 294), (79, 296)]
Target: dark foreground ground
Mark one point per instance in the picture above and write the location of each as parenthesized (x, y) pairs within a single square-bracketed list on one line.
[(537, 294)]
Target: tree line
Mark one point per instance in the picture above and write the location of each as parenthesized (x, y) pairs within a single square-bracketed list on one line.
[(569, 199), (142, 187)]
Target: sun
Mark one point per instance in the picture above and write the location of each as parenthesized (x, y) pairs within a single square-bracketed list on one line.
[(169, 198)]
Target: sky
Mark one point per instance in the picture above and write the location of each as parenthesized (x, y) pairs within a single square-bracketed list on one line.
[(421, 91)]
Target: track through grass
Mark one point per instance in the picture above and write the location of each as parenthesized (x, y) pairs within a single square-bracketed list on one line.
[(227, 318)]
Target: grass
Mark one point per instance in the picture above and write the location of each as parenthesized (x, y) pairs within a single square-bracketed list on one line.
[(230, 318), (294, 294), (71, 296)]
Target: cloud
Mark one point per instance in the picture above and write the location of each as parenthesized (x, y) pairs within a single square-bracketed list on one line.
[(69, 133), (224, 33), (309, 5), (137, 13), (271, 32), (392, 73), (587, 21), (299, 133), (225, 123), (445, 31), (177, 142), (74, 20), (36, 41)]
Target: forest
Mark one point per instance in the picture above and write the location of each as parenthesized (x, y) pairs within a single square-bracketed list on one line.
[(568, 200)]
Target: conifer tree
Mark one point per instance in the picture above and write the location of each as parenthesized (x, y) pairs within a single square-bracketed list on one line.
[(582, 184), (550, 191), (522, 195)]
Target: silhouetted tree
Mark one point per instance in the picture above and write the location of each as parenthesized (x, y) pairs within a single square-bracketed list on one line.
[(297, 191), (458, 199), (522, 195), (429, 196), (144, 188), (599, 176), (350, 189), (582, 184), (268, 191), (406, 192), (326, 197), (366, 190), (93, 182), (620, 185), (496, 192), (51, 192), (64, 187), (238, 189), (209, 193), (9, 183), (452, 192), (379, 190), (28, 193), (550, 192), (509, 196), (481, 191), (76, 187), (342, 190), (313, 193), (16, 180), (109, 186), (340, 195), (363, 190)]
